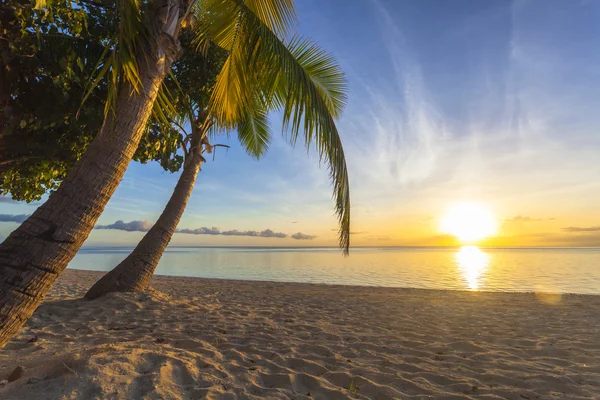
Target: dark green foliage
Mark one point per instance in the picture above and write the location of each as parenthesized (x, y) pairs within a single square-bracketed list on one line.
[(45, 61)]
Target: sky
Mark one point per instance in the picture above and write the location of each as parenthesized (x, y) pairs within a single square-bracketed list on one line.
[(495, 102)]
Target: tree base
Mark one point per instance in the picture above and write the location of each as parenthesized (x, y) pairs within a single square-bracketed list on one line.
[(119, 281)]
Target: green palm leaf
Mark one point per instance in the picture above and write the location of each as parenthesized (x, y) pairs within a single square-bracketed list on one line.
[(219, 20), (324, 73), (254, 133), (302, 80), (278, 15)]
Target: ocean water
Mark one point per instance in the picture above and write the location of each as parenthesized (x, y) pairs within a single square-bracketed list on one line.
[(554, 270)]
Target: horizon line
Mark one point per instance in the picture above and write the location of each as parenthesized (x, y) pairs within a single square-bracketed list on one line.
[(337, 247)]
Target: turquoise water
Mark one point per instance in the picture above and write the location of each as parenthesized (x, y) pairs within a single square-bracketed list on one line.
[(557, 270)]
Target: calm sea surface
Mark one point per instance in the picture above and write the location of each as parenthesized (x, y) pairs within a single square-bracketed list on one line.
[(558, 270)]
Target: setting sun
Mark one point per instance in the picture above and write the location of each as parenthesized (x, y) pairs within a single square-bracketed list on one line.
[(469, 221)]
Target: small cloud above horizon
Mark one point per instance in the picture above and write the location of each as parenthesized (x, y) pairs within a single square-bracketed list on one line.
[(302, 236), (133, 226), (201, 231)]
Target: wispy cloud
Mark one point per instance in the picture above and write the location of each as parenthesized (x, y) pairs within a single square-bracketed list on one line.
[(408, 129), (13, 218), (582, 229)]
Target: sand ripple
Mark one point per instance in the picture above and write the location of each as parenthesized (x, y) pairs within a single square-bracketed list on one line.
[(212, 339)]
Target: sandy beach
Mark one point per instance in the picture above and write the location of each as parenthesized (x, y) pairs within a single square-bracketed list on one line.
[(196, 338)]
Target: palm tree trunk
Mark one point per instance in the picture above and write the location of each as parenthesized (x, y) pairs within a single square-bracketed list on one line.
[(37, 252), (135, 272)]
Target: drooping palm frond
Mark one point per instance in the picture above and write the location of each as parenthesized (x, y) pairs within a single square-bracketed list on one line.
[(303, 80), (118, 64), (254, 133), (324, 72), (164, 111)]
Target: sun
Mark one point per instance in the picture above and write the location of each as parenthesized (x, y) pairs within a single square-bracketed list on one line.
[(469, 222)]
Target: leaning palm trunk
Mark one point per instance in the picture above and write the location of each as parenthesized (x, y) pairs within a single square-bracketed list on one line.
[(135, 272), (37, 252)]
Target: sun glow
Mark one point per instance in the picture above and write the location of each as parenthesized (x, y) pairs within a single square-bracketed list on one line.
[(469, 222)]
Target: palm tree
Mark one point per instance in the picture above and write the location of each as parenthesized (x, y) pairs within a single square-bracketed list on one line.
[(314, 67), (139, 57)]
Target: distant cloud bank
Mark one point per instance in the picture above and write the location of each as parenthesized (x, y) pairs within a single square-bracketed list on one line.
[(144, 226), (266, 233), (216, 231)]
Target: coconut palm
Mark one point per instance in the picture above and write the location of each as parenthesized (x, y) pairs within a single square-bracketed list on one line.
[(323, 80), (138, 58)]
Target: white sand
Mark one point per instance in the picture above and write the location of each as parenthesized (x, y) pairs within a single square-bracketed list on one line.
[(220, 339)]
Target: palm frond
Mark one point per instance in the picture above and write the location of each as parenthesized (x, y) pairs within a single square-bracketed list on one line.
[(254, 133), (323, 71), (278, 15), (164, 111), (304, 81), (118, 64), (40, 4), (219, 20), (233, 93)]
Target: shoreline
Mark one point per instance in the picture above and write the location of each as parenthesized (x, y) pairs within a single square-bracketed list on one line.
[(341, 285), (219, 338)]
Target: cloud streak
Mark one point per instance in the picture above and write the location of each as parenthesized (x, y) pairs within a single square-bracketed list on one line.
[(521, 218), (582, 229), (13, 218)]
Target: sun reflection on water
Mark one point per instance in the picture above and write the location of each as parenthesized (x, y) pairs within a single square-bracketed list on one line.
[(472, 262)]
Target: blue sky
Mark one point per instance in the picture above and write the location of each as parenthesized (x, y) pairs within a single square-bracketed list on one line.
[(492, 101)]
